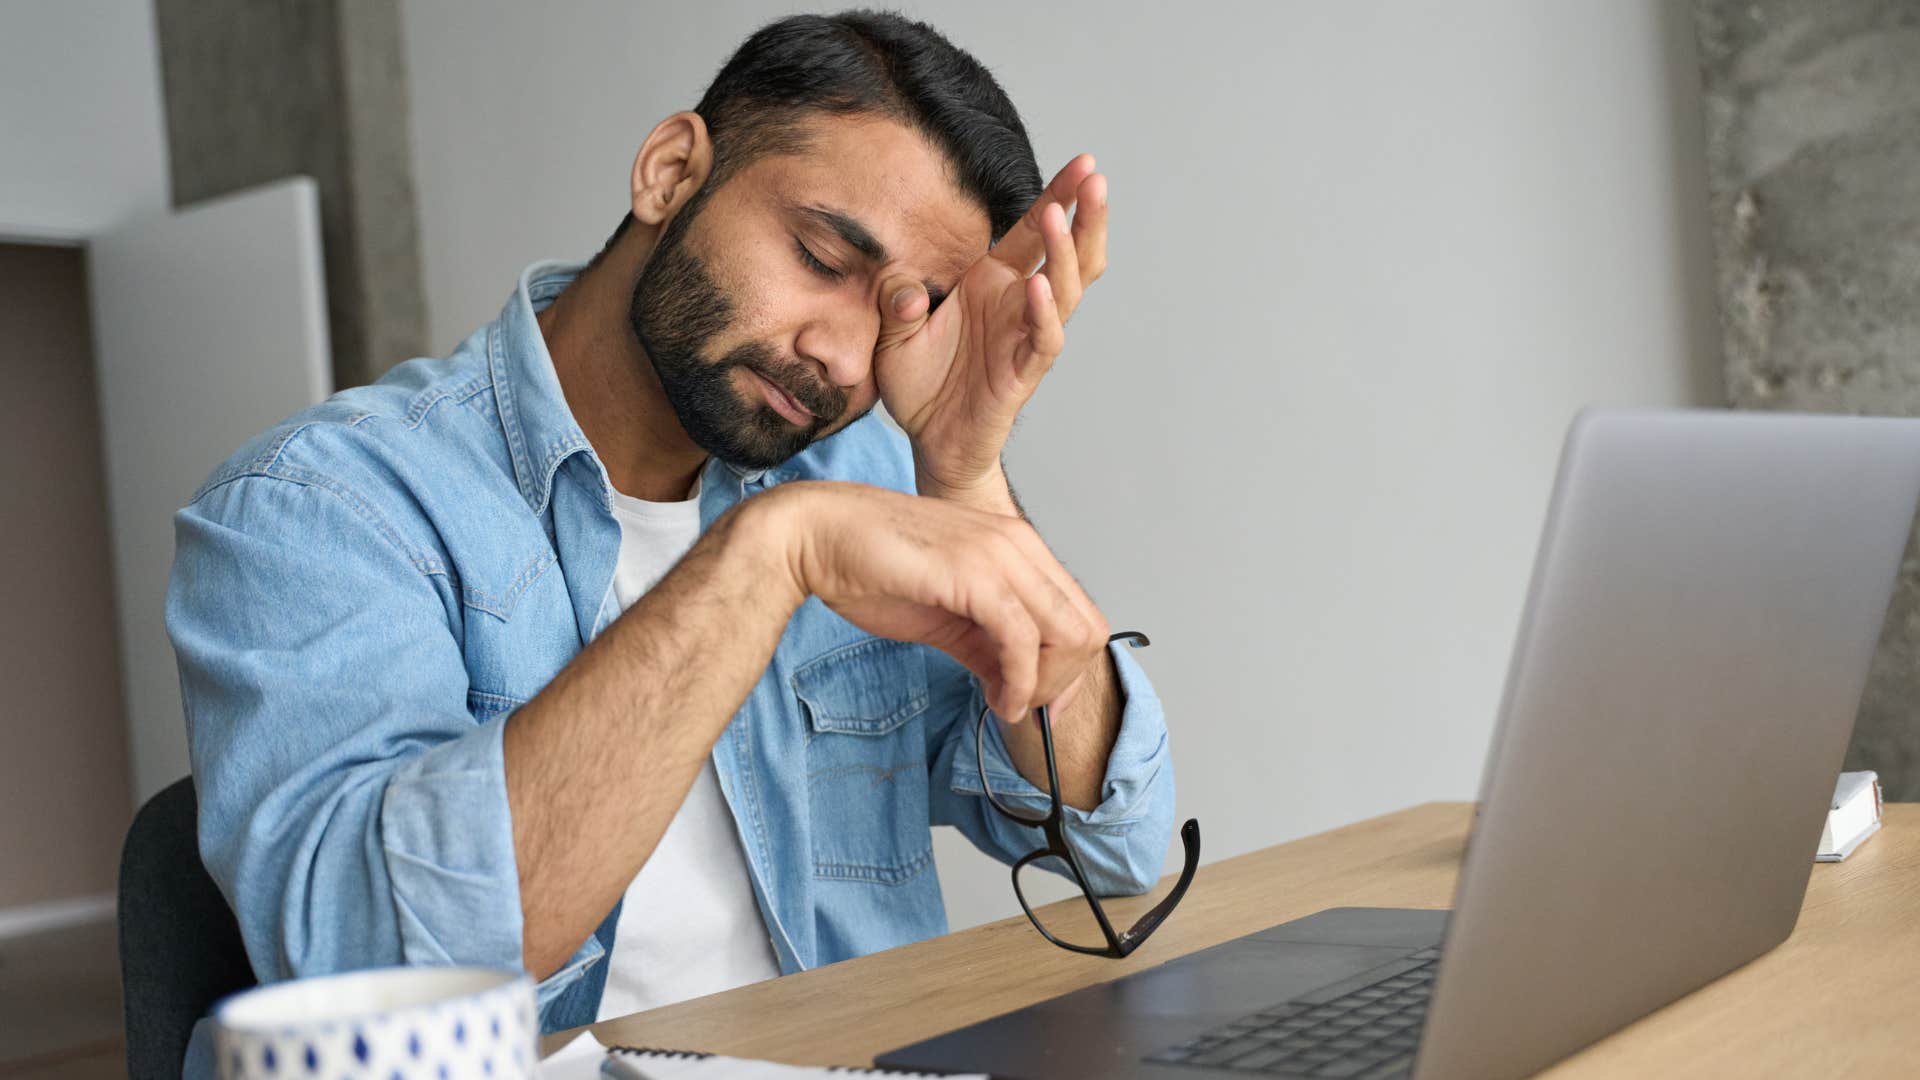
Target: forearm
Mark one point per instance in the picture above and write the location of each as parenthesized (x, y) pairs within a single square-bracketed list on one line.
[(599, 762), (1083, 737), (1084, 732)]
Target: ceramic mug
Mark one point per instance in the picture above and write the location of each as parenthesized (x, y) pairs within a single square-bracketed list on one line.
[(402, 1023)]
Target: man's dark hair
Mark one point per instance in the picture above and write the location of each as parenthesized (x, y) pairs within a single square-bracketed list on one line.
[(875, 63)]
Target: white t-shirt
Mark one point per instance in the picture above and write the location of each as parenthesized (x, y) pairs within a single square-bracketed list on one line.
[(689, 925)]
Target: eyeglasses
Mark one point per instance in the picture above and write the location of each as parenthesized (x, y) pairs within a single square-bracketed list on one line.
[(1069, 928)]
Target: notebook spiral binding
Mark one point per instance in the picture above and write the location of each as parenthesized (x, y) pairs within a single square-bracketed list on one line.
[(836, 1070)]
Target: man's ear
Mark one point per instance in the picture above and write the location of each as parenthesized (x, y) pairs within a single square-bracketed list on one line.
[(671, 165)]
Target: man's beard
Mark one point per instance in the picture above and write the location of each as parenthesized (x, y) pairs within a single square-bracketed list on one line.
[(677, 309)]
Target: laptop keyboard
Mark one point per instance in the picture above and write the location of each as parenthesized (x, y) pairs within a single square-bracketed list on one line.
[(1364, 1027)]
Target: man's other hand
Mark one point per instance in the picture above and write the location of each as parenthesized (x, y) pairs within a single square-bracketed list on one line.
[(982, 588)]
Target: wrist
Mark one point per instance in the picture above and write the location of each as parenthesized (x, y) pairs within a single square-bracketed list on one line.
[(989, 492), (767, 531)]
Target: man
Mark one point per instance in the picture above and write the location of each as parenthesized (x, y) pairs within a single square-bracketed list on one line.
[(623, 644)]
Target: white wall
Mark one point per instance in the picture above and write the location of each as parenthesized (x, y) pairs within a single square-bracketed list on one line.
[(1367, 259), (82, 136), (209, 325)]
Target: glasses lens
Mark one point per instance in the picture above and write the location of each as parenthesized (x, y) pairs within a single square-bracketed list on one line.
[(1058, 905)]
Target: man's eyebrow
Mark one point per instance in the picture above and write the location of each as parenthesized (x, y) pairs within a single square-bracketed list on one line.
[(854, 233), (864, 242)]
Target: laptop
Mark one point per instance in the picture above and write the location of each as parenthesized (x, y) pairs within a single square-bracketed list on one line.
[(1705, 602)]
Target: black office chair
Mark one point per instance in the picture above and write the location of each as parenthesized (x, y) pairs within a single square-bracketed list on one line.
[(180, 948)]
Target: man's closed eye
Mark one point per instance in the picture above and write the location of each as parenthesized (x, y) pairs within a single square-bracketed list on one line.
[(814, 264)]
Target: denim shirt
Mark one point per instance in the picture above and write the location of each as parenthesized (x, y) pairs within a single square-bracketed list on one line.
[(363, 595)]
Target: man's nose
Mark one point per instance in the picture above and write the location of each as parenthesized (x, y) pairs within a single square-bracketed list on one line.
[(841, 340)]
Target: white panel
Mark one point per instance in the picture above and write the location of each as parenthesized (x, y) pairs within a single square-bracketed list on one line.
[(209, 326), (82, 141)]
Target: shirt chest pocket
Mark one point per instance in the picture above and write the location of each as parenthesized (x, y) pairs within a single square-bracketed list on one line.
[(867, 761)]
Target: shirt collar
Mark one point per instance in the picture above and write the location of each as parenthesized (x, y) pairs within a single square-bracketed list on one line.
[(540, 428)]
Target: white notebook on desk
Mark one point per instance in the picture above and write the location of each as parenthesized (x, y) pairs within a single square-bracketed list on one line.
[(629, 1063), (1855, 815)]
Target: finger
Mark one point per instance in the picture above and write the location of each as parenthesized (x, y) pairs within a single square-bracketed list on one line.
[(1090, 229), (1093, 623), (977, 651), (904, 305), (1019, 662), (1003, 615), (1066, 633), (1062, 267), (1023, 245), (1045, 334)]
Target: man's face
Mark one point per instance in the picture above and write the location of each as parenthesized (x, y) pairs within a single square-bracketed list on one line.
[(759, 306)]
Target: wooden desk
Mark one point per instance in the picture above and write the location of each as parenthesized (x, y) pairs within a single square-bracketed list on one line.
[(1840, 997)]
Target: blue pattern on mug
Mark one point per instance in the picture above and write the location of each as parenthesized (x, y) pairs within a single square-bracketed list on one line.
[(424, 1038)]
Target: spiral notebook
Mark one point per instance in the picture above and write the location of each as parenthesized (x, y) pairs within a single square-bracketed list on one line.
[(634, 1063)]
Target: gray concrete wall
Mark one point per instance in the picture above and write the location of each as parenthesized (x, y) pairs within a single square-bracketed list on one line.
[(1813, 148), (257, 92)]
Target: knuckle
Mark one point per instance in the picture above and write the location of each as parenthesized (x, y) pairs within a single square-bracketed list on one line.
[(1018, 626), (999, 547), (1084, 641), (985, 569)]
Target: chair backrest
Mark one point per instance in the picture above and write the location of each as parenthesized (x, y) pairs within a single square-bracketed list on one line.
[(180, 948)]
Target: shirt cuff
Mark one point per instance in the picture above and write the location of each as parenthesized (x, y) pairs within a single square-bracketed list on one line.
[(447, 833), (1139, 753)]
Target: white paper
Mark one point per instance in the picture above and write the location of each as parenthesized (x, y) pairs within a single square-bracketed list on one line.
[(632, 1066), (579, 1059), (1855, 815)]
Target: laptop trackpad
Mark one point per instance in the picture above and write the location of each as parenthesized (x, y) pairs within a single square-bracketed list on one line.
[(1221, 984), (1266, 968), (1103, 1031)]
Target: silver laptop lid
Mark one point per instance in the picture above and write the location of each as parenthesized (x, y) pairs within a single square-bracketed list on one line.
[(1705, 604)]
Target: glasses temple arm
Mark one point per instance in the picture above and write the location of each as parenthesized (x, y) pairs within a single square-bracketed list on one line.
[(1190, 839)]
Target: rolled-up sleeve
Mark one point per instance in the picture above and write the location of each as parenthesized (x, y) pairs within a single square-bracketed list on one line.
[(352, 809), (1121, 843)]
